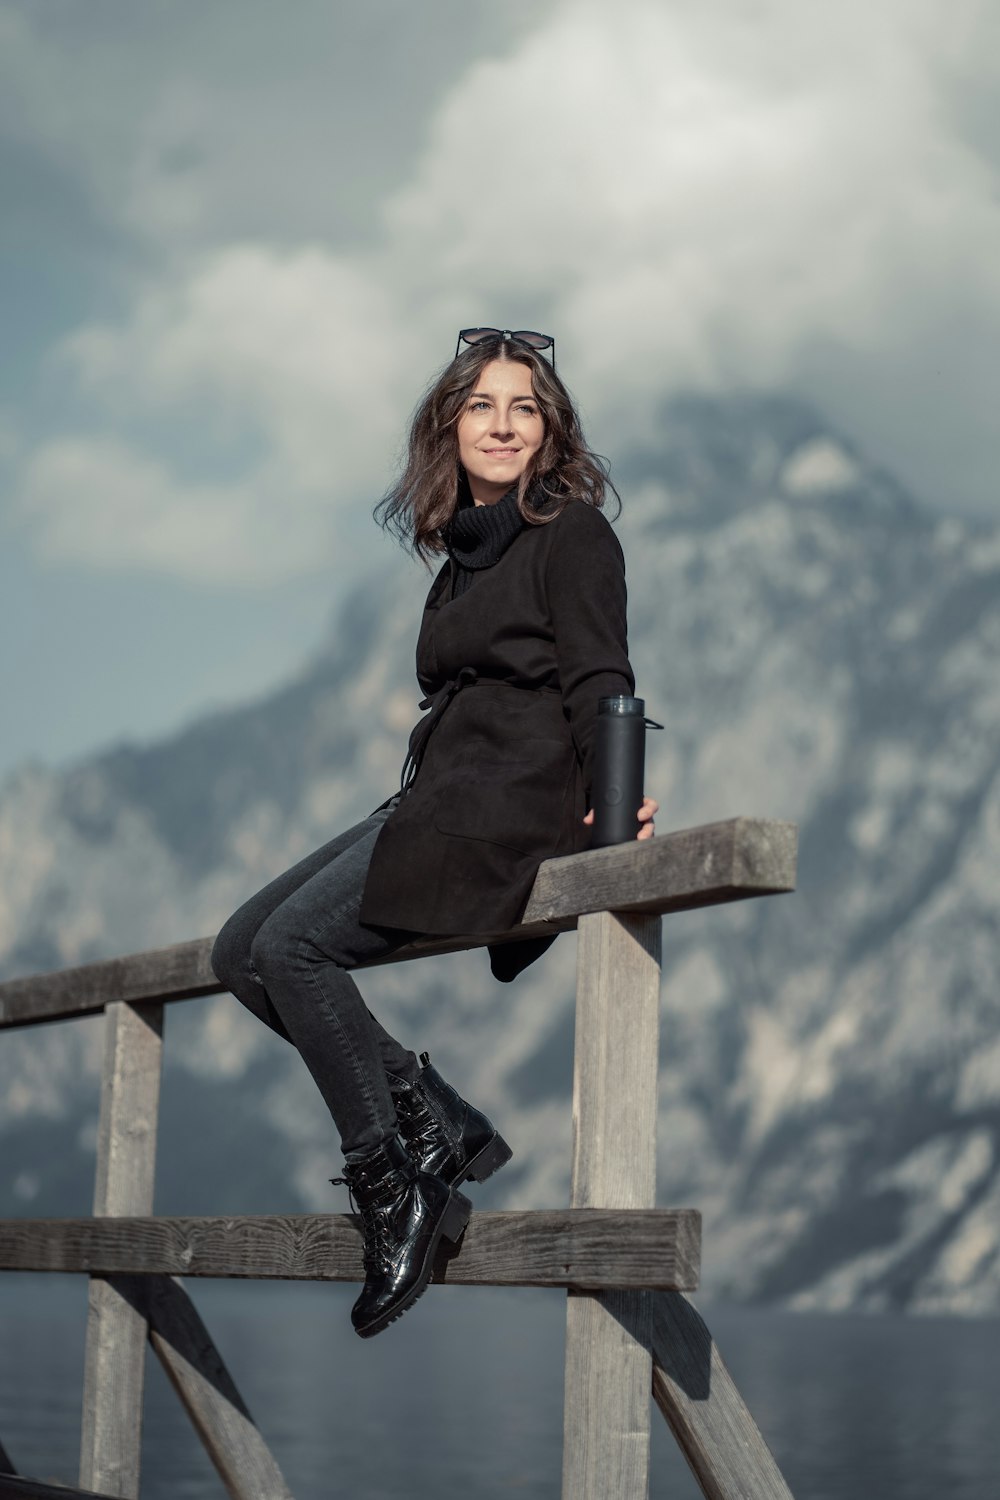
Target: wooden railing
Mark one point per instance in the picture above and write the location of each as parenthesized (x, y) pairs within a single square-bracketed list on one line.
[(624, 1263)]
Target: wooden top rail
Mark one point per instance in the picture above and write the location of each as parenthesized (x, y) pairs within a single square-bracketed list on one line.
[(704, 866)]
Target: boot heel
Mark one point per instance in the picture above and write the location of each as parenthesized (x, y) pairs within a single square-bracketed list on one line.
[(456, 1217), (494, 1156)]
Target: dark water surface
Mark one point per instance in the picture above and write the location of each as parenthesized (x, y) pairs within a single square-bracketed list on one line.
[(463, 1397)]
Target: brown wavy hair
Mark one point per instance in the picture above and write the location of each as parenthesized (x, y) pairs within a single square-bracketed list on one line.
[(426, 494)]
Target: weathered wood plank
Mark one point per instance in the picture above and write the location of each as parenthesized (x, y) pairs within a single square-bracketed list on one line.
[(115, 1363), (705, 866), (130, 1098), (606, 1417), (12, 1488), (177, 973), (719, 862), (609, 1335), (557, 1247), (706, 1413), (616, 1061), (208, 1393)]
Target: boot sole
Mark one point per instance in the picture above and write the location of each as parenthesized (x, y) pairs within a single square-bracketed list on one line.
[(452, 1226), (494, 1155)]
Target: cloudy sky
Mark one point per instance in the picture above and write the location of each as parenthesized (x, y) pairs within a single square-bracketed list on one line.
[(237, 239)]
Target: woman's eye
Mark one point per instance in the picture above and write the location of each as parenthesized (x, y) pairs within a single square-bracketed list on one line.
[(529, 411), (478, 405)]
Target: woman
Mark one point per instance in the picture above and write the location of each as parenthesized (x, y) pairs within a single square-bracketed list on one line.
[(523, 632)]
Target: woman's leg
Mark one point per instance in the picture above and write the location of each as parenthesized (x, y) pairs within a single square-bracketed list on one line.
[(302, 953), (304, 935), (233, 965)]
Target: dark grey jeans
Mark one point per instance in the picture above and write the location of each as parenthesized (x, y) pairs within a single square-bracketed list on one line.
[(286, 954)]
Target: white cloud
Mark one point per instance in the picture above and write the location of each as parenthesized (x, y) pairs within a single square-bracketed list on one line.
[(289, 349), (295, 343), (690, 195), (195, 125), (99, 502), (702, 199)]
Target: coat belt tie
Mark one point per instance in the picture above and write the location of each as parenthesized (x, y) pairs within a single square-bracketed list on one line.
[(437, 703)]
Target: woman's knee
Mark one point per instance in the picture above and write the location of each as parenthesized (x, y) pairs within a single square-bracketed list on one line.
[(274, 947), (233, 967), (284, 943), (231, 956)]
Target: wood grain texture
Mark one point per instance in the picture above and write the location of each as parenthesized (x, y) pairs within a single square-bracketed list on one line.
[(615, 1061), (557, 1247), (719, 862), (608, 1335), (113, 1382), (208, 1393), (34, 1489), (177, 973), (606, 1420), (130, 1099), (706, 1413), (115, 1363)]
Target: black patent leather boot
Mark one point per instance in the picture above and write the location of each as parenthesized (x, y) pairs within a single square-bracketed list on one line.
[(443, 1133), (405, 1214)]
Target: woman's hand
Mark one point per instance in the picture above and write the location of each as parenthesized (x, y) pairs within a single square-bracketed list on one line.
[(647, 812)]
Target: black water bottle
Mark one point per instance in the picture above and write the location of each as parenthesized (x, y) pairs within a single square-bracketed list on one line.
[(619, 764)]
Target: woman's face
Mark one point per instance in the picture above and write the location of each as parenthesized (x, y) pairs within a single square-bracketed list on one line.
[(500, 430)]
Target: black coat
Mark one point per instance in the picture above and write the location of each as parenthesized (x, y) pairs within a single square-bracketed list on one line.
[(505, 774)]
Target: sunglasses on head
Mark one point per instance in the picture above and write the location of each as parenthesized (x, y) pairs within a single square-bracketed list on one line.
[(520, 336)]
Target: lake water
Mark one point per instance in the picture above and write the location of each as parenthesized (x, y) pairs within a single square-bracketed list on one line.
[(463, 1397)]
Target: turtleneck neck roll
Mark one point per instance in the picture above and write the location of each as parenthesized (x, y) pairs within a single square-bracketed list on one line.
[(477, 536)]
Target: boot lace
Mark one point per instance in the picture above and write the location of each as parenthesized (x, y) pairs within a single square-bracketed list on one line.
[(417, 1121), (377, 1239)]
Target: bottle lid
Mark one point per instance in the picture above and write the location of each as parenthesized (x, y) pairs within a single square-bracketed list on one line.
[(623, 705)]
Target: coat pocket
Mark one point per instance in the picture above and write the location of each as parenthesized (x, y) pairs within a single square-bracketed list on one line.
[(517, 803)]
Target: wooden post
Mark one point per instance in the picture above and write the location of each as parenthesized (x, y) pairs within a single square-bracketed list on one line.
[(609, 1334), (705, 1411), (116, 1326), (199, 1376)]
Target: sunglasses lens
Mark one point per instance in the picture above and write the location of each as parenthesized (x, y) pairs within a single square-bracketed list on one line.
[(477, 335), (534, 340)]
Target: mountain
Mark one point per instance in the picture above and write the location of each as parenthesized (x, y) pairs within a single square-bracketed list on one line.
[(820, 648)]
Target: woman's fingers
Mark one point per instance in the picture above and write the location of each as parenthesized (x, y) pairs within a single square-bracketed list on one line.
[(647, 812)]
